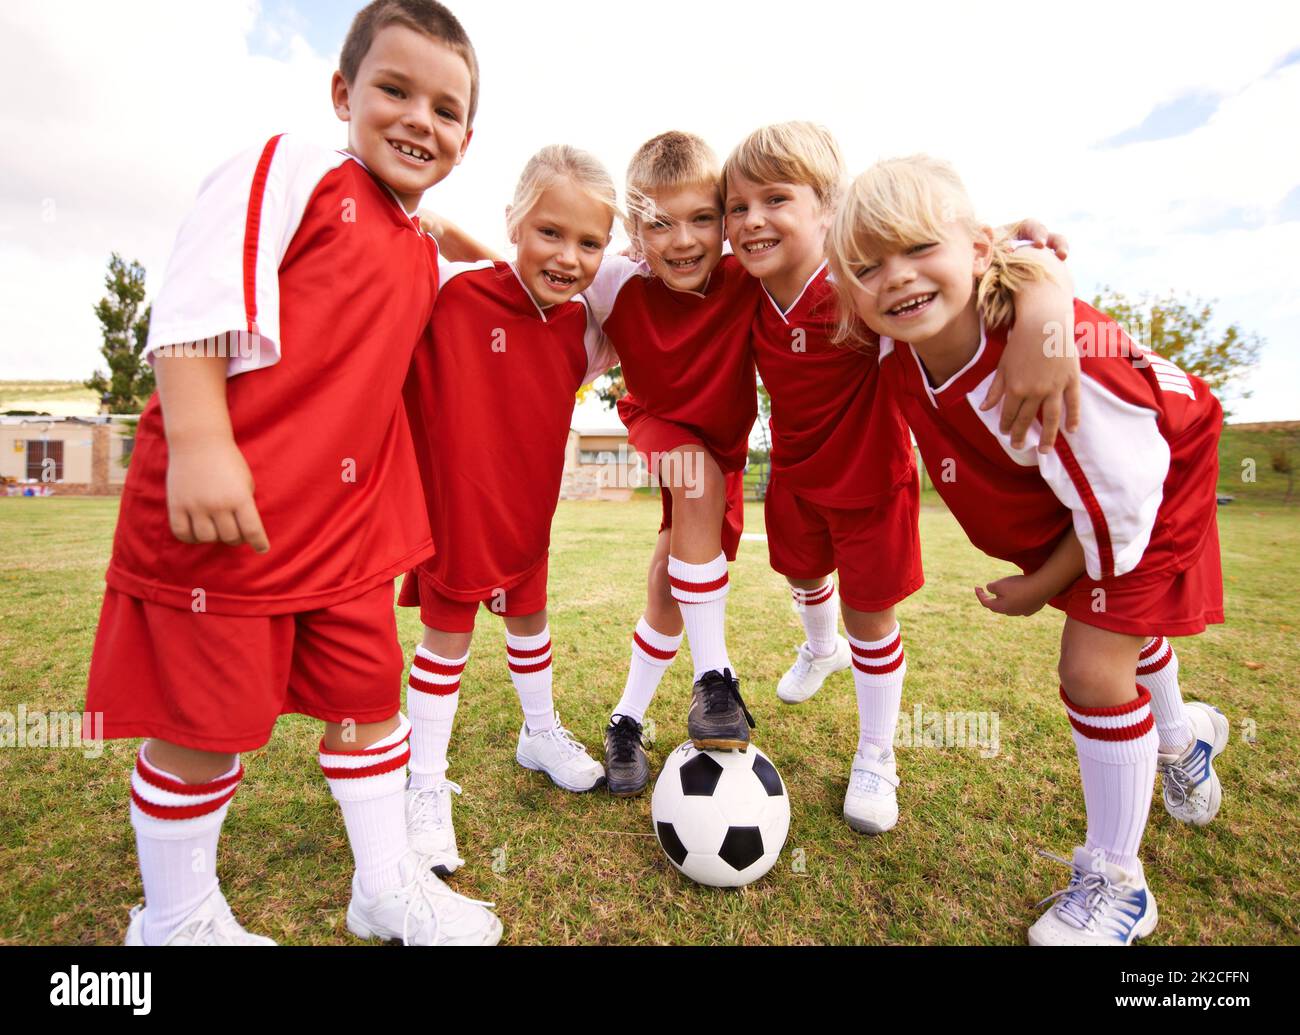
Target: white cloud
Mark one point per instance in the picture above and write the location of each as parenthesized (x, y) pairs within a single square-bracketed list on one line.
[(114, 113)]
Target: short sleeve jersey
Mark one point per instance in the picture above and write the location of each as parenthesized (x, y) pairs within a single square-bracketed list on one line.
[(491, 400), (836, 439), (1136, 481), (685, 355), (307, 271)]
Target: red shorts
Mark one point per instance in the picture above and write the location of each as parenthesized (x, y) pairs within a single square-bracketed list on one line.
[(218, 682), (450, 614), (1162, 604), (733, 518), (876, 550)]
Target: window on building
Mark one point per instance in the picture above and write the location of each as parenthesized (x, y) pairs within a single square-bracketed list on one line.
[(44, 460)]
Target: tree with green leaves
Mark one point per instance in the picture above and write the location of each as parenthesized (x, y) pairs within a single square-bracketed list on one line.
[(1182, 331), (129, 382)]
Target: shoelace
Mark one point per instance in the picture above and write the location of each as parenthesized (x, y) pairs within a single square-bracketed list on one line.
[(719, 690), (1178, 781), (422, 895), (566, 740), (803, 662), (1083, 901), (624, 735), (428, 802), (868, 780)]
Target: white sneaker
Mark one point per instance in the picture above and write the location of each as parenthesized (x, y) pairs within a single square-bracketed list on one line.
[(424, 912), (871, 803), (429, 828), (211, 923), (1191, 786), (1102, 905), (556, 753), (805, 677)]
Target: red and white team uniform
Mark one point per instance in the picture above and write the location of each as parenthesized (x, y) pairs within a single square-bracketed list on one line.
[(686, 360), (310, 271), (490, 399), (844, 491), (1136, 481)]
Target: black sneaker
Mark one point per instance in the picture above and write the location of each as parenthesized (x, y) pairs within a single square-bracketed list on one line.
[(718, 718), (627, 770)]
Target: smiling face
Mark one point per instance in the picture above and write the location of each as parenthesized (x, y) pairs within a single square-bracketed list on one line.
[(407, 111), (561, 241), (778, 232), (924, 293), (683, 243)]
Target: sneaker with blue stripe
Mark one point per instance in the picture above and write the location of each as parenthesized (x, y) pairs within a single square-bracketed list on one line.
[(1102, 905), (1192, 791)]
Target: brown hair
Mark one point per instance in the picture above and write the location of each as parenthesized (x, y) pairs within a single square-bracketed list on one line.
[(790, 152), (424, 16), (667, 162)]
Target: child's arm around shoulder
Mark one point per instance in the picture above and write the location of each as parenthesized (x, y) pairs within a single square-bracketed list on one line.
[(209, 485), (1031, 376)]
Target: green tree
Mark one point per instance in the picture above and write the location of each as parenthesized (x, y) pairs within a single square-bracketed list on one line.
[(1182, 331), (611, 387), (125, 327)]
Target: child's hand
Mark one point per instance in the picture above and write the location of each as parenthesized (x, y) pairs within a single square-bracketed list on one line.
[(1018, 595), (1033, 231), (210, 496), (431, 222)]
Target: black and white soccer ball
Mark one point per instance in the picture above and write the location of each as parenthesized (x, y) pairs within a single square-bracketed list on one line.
[(720, 816)]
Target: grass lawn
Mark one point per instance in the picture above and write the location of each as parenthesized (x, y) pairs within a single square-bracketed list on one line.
[(961, 867)]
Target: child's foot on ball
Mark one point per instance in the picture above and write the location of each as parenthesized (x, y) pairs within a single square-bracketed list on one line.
[(718, 719), (558, 754), (211, 923), (805, 677), (1102, 905), (871, 802), (423, 912), (429, 827), (626, 766), (1191, 786)]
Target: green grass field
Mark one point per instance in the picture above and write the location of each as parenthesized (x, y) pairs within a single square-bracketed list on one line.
[(961, 867)]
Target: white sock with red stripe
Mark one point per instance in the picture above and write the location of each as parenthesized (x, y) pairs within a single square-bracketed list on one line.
[(701, 592), (652, 653), (1117, 760), (1157, 673), (176, 829), (370, 787), (529, 658), (819, 610), (878, 670), (432, 694)]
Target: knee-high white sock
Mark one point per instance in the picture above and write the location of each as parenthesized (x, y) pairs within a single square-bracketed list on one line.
[(1157, 673), (177, 825), (652, 653), (1117, 760), (369, 785), (701, 592), (819, 611), (529, 658), (878, 670), (433, 692)]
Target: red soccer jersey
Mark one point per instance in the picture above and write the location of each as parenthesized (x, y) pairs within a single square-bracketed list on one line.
[(491, 401), (310, 268), (1137, 480), (685, 354), (836, 439)]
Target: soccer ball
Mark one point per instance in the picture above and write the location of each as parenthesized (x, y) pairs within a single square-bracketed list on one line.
[(720, 816)]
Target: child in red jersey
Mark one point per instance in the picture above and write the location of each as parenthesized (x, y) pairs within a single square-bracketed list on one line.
[(844, 490), (297, 291), (1115, 526), (680, 320), (491, 401)]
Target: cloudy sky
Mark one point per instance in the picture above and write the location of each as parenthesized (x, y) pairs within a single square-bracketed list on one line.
[(1160, 137)]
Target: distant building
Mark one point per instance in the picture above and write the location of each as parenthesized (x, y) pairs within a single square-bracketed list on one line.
[(66, 456), (598, 463)]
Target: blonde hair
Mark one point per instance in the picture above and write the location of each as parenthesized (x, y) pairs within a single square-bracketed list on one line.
[(559, 163), (790, 152), (667, 162), (902, 202)]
